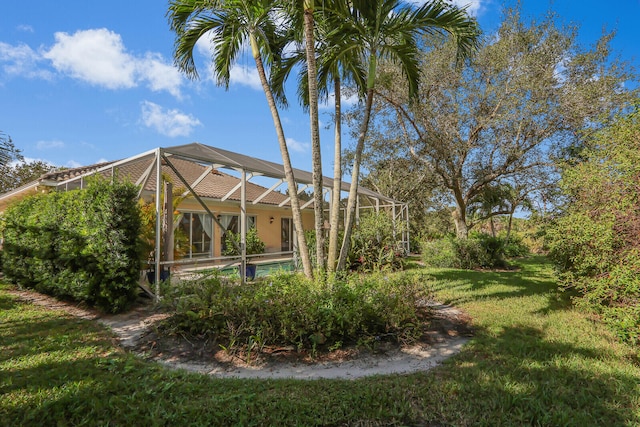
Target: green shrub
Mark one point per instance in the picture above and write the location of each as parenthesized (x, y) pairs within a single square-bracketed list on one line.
[(478, 251), (374, 244), (471, 254), (515, 247), (310, 238), (594, 242), (492, 253), (254, 244), (79, 244), (287, 309), (440, 253)]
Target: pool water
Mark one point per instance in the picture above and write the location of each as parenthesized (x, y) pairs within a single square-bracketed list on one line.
[(264, 269)]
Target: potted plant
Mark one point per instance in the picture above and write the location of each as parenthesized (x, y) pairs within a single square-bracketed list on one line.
[(254, 246)]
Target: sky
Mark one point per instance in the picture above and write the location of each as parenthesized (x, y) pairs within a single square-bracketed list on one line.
[(86, 82)]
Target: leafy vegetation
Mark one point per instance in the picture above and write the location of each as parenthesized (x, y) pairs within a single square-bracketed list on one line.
[(482, 134), (478, 251), (147, 210), (374, 245), (288, 309), (595, 241), (14, 175), (8, 151), (78, 244), (533, 361), (253, 242)]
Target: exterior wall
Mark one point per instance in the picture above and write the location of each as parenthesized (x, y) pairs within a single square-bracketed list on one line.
[(269, 231)]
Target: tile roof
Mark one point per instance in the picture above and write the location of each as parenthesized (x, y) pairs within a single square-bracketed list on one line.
[(214, 185), (65, 174)]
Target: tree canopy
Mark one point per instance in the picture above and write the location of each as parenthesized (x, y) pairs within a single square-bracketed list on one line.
[(15, 175), (502, 116), (8, 151)]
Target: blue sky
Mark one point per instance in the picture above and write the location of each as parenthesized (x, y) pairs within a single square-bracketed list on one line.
[(84, 82)]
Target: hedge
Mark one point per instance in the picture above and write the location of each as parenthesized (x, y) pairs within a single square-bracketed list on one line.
[(80, 244)]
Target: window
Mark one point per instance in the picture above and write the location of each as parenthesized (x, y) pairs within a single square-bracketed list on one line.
[(232, 223), (195, 232)]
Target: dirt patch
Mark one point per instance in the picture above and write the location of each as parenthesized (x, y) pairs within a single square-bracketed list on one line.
[(444, 336)]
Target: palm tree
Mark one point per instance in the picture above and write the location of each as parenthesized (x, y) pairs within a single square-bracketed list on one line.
[(231, 24), (335, 66), (389, 30), (491, 202), (308, 7)]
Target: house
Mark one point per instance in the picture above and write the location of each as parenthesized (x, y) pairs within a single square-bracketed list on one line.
[(218, 195)]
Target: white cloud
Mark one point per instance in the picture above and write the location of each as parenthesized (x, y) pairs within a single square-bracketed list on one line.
[(246, 76), (160, 75), (560, 70), (95, 56), (204, 46), (25, 28), (21, 60), (99, 57), (474, 6), (48, 145), (73, 164), (300, 147), (170, 123)]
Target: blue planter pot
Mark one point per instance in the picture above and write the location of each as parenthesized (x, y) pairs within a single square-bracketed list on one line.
[(151, 276), (250, 271)]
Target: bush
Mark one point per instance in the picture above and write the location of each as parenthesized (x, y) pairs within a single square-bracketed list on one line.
[(80, 244), (374, 246), (287, 309), (472, 253), (254, 244), (594, 242), (440, 253), (478, 251), (515, 247)]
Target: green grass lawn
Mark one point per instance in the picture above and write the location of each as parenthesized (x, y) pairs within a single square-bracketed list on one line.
[(534, 361)]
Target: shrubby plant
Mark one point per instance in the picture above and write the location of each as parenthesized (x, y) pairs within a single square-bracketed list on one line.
[(595, 241), (478, 251), (288, 309), (254, 245), (515, 247), (440, 253), (81, 244), (375, 245)]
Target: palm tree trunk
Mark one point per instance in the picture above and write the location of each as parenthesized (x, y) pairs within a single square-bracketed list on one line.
[(318, 198), (355, 176), (286, 160), (334, 216), (506, 239)]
